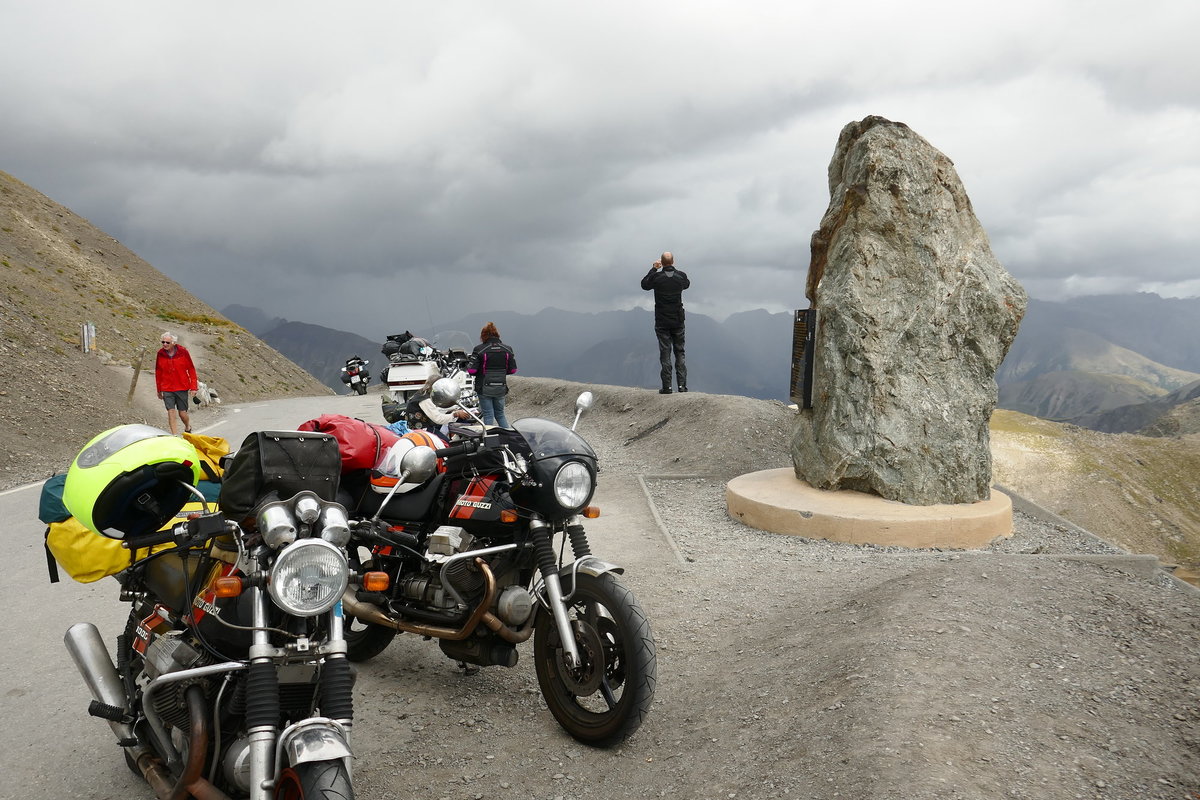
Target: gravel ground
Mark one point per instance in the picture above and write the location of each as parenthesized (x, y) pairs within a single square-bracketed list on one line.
[(1039, 668), (791, 667)]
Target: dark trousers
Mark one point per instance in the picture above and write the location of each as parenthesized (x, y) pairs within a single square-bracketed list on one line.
[(671, 339)]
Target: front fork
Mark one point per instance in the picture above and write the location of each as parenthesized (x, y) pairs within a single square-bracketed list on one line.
[(543, 535), (322, 738)]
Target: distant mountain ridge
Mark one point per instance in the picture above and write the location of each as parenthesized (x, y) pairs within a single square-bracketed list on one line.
[(1074, 361), (747, 354)]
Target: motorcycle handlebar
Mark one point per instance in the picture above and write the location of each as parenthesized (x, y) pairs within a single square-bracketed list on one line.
[(469, 446)]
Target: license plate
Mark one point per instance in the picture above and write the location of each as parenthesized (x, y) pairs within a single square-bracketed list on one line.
[(355, 379)]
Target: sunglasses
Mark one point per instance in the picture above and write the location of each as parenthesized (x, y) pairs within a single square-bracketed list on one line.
[(167, 341)]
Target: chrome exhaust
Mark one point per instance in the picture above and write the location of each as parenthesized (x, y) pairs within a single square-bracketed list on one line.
[(91, 658)]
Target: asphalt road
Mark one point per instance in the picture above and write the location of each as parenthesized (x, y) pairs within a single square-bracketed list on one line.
[(49, 747)]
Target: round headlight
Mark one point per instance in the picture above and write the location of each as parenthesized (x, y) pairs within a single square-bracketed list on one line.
[(572, 485), (309, 577)]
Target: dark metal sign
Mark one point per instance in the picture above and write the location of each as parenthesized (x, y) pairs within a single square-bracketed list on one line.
[(803, 334)]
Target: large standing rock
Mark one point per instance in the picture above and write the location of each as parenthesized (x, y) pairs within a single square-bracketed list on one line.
[(914, 315)]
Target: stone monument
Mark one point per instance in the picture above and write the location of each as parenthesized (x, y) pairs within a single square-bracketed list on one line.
[(914, 316)]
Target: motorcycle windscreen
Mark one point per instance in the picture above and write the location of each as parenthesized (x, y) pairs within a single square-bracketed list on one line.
[(547, 439)]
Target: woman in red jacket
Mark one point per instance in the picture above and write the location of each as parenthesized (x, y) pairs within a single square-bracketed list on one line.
[(175, 377)]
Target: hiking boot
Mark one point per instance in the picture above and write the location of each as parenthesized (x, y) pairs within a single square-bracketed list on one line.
[(683, 388), (665, 390)]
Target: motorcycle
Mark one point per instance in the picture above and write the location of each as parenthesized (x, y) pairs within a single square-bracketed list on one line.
[(355, 375), (231, 679), (411, 362), (472, 562)]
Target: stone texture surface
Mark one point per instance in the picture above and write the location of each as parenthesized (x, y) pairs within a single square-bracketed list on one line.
[(915, 315)]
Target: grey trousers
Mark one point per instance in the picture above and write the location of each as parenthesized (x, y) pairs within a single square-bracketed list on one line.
[(671, 339)]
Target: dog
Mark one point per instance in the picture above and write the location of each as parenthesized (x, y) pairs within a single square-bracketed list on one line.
[(206, 395)]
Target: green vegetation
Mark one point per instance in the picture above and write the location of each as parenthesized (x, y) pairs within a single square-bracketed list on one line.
[(183, 316)]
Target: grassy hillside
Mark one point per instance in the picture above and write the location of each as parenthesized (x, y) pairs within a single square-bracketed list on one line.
[(1139, 492)]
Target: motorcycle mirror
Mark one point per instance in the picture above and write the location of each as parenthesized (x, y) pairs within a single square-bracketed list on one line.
[(582, 404), (418, 464), (445, 392)]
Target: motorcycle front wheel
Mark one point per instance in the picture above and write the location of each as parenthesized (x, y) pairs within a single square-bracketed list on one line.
[(315, 780), (605, 699)]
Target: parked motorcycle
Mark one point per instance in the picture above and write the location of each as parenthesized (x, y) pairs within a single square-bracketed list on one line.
[(411, 362), (472, 559), (231, 677), (355, 374)]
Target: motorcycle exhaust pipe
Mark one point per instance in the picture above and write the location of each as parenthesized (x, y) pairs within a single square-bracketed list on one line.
[(91, 658)]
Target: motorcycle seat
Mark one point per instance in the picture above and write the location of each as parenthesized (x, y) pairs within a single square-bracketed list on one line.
[(409, 506)]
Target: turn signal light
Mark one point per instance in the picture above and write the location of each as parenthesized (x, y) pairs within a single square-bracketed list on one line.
[(508, 515), (229, 587), (376, 581), (591, 512)]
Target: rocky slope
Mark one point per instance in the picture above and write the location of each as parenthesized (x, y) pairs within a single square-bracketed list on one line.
[(57, 272)]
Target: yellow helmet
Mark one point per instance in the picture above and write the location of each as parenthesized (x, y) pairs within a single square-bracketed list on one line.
[(130, 480)]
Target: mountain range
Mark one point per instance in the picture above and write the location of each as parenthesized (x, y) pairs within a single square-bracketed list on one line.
[(1114, 363)]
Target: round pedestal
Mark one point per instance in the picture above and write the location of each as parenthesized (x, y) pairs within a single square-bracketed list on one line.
[(776, 500)]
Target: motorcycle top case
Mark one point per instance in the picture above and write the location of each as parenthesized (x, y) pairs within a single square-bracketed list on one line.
[(87, 556), (283, 463)]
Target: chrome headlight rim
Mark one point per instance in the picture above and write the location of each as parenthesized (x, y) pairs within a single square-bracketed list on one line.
[(286, 571), (573, 485)]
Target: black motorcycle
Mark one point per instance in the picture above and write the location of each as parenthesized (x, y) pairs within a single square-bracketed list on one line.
[(231, 677), (356, 375), (473, 562)]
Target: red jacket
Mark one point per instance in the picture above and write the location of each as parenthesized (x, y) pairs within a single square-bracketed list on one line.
[(175, 373)]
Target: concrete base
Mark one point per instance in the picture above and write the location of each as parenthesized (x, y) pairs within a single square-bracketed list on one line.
[(776, 500)]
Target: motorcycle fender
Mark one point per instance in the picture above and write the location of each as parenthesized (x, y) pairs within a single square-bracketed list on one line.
[(315, 743), (590, 565)]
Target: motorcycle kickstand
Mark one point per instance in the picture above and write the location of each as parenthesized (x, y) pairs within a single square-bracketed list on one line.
[(468, 669)]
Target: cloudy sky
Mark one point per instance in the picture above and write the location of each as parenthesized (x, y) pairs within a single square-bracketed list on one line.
[(375, 165)]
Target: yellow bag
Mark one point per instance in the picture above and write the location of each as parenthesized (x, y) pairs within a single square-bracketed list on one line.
[(88, 556), (210, 448)]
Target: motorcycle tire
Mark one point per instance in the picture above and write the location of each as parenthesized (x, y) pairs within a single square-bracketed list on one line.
[(315, 780), (604, 701), (360, 387), (365, 640)]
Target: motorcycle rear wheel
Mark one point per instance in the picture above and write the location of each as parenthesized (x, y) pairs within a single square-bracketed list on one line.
[(360, 387), (605, 700), (315, 780)]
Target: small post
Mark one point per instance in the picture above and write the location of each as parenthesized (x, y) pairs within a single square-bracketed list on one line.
[(137, 370)]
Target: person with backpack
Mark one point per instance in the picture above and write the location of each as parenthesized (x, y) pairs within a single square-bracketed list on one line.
[(492, 361)]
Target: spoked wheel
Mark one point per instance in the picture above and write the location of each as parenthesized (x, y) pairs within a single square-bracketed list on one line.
[(315, 780), (604, 699)]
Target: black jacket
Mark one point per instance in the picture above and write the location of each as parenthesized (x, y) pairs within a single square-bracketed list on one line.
[(668, 286), (491, 362)]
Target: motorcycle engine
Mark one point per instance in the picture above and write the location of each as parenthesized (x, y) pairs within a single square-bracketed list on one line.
[(165, 654)]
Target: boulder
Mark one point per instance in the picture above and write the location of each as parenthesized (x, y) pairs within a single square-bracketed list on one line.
[(914, 316)]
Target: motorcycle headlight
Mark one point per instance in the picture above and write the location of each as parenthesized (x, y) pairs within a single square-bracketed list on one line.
[(572, 485), (309, 577)]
